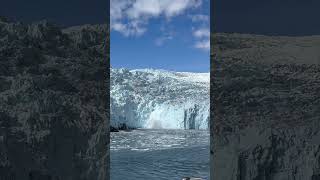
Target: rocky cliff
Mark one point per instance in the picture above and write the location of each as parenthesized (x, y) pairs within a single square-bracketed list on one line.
[(53, 101), (265, 107)]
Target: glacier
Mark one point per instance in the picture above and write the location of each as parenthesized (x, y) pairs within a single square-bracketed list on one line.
[(159, 99)]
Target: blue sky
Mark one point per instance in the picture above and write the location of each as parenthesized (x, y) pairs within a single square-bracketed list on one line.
[(160, 34)]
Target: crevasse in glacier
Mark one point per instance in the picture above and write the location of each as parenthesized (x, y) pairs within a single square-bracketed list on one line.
[(149, 98)]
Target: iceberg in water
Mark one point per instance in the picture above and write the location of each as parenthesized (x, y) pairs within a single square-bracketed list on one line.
[(148, 98)]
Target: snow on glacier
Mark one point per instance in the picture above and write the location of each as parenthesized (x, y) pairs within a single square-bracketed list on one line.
[(149, 98)]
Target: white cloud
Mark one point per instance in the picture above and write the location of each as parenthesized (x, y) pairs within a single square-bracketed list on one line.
[(202, 33), (155, 8), (160, 41), (117, 7), (132, 28), (130, 17), (204, 44), (199, 18), (202, 37)]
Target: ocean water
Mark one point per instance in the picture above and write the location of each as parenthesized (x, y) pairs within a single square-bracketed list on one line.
[(146, 154)]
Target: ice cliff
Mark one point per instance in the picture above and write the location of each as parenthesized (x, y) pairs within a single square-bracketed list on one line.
[(149, 98)]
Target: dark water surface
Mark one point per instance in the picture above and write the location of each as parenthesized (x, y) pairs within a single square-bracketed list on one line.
[(159, 154)]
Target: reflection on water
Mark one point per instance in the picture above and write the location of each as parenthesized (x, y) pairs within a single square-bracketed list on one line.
[(159, 154)]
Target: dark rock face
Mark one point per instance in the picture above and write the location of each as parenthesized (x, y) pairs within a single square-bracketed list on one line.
[(121, 127), (54, 101), (265, 107)]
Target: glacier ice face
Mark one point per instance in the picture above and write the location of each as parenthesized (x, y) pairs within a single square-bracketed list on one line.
[(148, 98)]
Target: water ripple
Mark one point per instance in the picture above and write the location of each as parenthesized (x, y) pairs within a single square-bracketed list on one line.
[(159, 154)]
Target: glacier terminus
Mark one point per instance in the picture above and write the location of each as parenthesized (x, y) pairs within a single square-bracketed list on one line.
[(159, 99)]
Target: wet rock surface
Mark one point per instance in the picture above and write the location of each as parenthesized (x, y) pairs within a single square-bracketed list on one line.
[(122, 127), (265, 107), (53, 101)]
